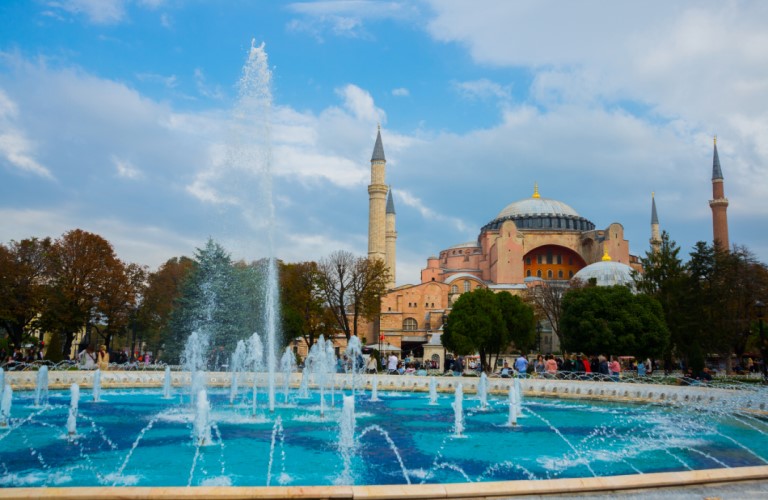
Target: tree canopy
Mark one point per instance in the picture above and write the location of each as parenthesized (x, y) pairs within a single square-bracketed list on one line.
[(612, 320), (485, 323)]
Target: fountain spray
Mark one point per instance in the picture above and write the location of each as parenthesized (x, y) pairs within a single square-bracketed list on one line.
[(5, 406)]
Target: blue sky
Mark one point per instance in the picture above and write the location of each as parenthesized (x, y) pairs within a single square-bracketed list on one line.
[(118, 117)]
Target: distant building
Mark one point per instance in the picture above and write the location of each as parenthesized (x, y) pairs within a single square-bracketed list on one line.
[(530, 240)]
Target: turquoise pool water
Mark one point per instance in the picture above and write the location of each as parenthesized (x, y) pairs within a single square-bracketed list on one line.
[(135, 437)]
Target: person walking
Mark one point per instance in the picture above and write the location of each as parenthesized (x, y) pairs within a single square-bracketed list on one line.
[(392, 364), (521, 365)]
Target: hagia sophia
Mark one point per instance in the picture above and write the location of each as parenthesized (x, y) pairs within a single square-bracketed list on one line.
[(531, 241)]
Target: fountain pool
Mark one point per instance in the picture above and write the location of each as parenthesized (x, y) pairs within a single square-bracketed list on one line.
[(137, 437)]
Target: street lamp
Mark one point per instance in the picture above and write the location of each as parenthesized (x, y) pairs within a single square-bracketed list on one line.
[(760, 309), (538, 337)]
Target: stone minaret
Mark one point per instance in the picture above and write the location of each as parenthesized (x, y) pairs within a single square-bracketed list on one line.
[(377, 203), (719, 205), (655, 236), (391, 237)]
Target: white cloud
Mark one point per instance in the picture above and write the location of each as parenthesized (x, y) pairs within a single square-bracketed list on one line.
[(400, 92), (126, 170), (206, 90), (412, 201), (97, 11), (483, 89), (360, 104), (16, 150), (167, 81), (345, 18)]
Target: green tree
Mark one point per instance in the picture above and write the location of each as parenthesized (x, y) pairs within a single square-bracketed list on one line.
[(81, 268), (519, 320), (665, 278), (613, 320), (23, 286), (158, 299), (305, 313), (476, 325)]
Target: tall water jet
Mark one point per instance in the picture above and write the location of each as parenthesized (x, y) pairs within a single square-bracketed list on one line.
[(432, 390), (41, 386), (237, 365), (5, 405), (347, 438), (287, 366), (97, 386), (482, 391), (253, 119), (167, 383), (458, 411), (330, 369), (74, 404), (194, 357), (255, 360), (202, 426), (512, 421), (519, 397)]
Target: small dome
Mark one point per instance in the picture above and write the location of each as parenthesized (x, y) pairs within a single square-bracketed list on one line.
[(536, 206), (607, 273)]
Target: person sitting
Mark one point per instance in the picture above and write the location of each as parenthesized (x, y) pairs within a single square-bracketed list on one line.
[(505, 371), (87, 358)]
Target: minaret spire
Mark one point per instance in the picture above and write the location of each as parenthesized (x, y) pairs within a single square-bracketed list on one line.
[(377, 202), (719, 203), (391, 240), (655, 236)]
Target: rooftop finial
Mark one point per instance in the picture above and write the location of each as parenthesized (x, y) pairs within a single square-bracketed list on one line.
[(715, 139), (606, 256), (536, 190)]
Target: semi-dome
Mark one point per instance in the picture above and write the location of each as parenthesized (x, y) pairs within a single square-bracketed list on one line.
[(537, 213), (607, 273)]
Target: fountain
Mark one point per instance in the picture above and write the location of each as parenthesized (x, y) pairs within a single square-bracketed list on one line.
[(5, 406), (237, 365), (96, 391), (202, 425), (287, 366), (512, 421), (41, 386), (482, 391), (167, 383), (432, 391), (74, 394), (458, 411), (347, 439), (375, 389)]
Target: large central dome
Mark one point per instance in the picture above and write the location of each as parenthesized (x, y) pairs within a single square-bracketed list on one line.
[(537, 206), (537, 213)]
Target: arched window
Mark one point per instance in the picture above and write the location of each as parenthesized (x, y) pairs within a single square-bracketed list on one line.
[(467, 286), (528, 273), (549, 274), (454, 289), (538, 273), (410, 325)]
